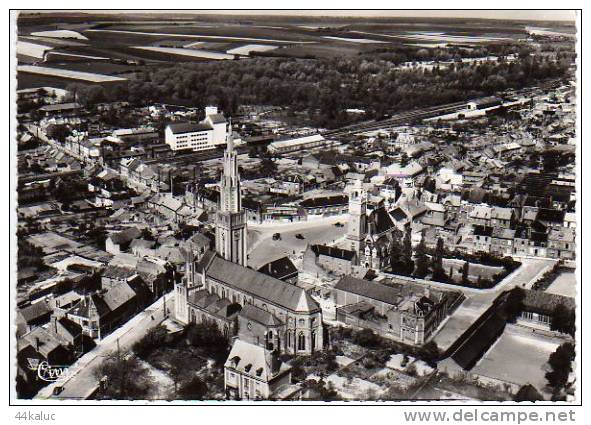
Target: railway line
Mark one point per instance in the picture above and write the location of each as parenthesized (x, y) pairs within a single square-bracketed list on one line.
[(395, 120), (423, 113)]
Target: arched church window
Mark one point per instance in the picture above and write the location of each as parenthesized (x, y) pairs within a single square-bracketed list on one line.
[(301, 341)]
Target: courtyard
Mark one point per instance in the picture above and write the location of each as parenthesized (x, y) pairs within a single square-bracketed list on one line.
[(518, 357)]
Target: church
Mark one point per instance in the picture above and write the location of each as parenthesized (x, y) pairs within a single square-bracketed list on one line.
[(369, 234), (219, 287)]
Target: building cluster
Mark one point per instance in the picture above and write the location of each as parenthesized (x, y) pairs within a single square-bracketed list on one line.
[(112, 219)]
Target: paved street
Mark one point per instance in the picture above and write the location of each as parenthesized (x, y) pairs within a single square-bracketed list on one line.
[(318, 231), (80, 381), (478, 300)]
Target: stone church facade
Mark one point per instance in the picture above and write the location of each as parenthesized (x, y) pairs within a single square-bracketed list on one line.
[(253, 306)]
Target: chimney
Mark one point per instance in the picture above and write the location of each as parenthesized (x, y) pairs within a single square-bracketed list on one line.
[(37, 343)]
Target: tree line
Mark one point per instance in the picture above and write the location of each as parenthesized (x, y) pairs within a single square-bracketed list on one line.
[(323, 87)]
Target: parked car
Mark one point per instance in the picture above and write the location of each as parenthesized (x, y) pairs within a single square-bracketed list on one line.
[(276, 236), (339, 224), (300, 236)]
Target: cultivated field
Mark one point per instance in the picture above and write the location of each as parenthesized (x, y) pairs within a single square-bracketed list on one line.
[(141, 42), (68, 74)]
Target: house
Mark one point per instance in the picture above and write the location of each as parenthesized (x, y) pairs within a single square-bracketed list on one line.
[(120, 241), (32, 316), (436, 215), (561, 243), (502, 217), (38, 346), (326, 205), (482, 239), (170, 207), (332, 259), (480, 215), (502, 241), (408, 212), (282, 269), (447, 179), (102, 312), (253, 373), (289, 186), (551, 217)]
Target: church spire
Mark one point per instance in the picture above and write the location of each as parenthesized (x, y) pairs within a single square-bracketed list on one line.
[(231, 219), (230, 138)]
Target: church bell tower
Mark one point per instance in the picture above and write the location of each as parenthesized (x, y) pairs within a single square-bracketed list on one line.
[(357, 227), (230, 223)]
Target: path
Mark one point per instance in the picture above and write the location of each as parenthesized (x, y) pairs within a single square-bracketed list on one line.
[(478, 300)]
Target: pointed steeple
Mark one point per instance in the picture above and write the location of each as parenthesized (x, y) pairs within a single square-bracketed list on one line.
[(231, 218), (230, 137)]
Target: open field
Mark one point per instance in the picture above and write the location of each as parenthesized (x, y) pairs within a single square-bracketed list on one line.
[(59, 34), (248, 48), (193, 53), (138, 40), (68, 74), (196, 36), (34, 50)]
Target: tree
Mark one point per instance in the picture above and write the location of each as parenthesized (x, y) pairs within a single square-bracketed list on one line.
[(421, 259), (395, 252), (465, 271), (195, 389), (58, 132), (514, 303), (208, 337), (563, 320), (126, 378), (560, 362), (528, 393), (437, 262), (154, 338), (430, 352), (366, 338), (407, 252)]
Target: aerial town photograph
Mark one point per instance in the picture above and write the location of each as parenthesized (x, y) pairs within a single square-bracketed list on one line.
[(295, 207)]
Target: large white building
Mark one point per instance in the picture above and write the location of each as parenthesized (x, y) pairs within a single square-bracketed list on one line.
[(203, 135), (302, 143)]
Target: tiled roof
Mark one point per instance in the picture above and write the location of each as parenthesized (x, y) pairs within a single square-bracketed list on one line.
[(545, 302), (325, 201), (217, 118), (332, 251), (254, 361), (261, 286), (35, 311), (373, 290), (253, 313), (188, 127), (280, 269), (379, 221)]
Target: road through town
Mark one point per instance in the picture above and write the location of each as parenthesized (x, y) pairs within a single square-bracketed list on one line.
[(80, 381)]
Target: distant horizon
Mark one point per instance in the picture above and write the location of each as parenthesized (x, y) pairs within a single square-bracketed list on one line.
[(515, 15)]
